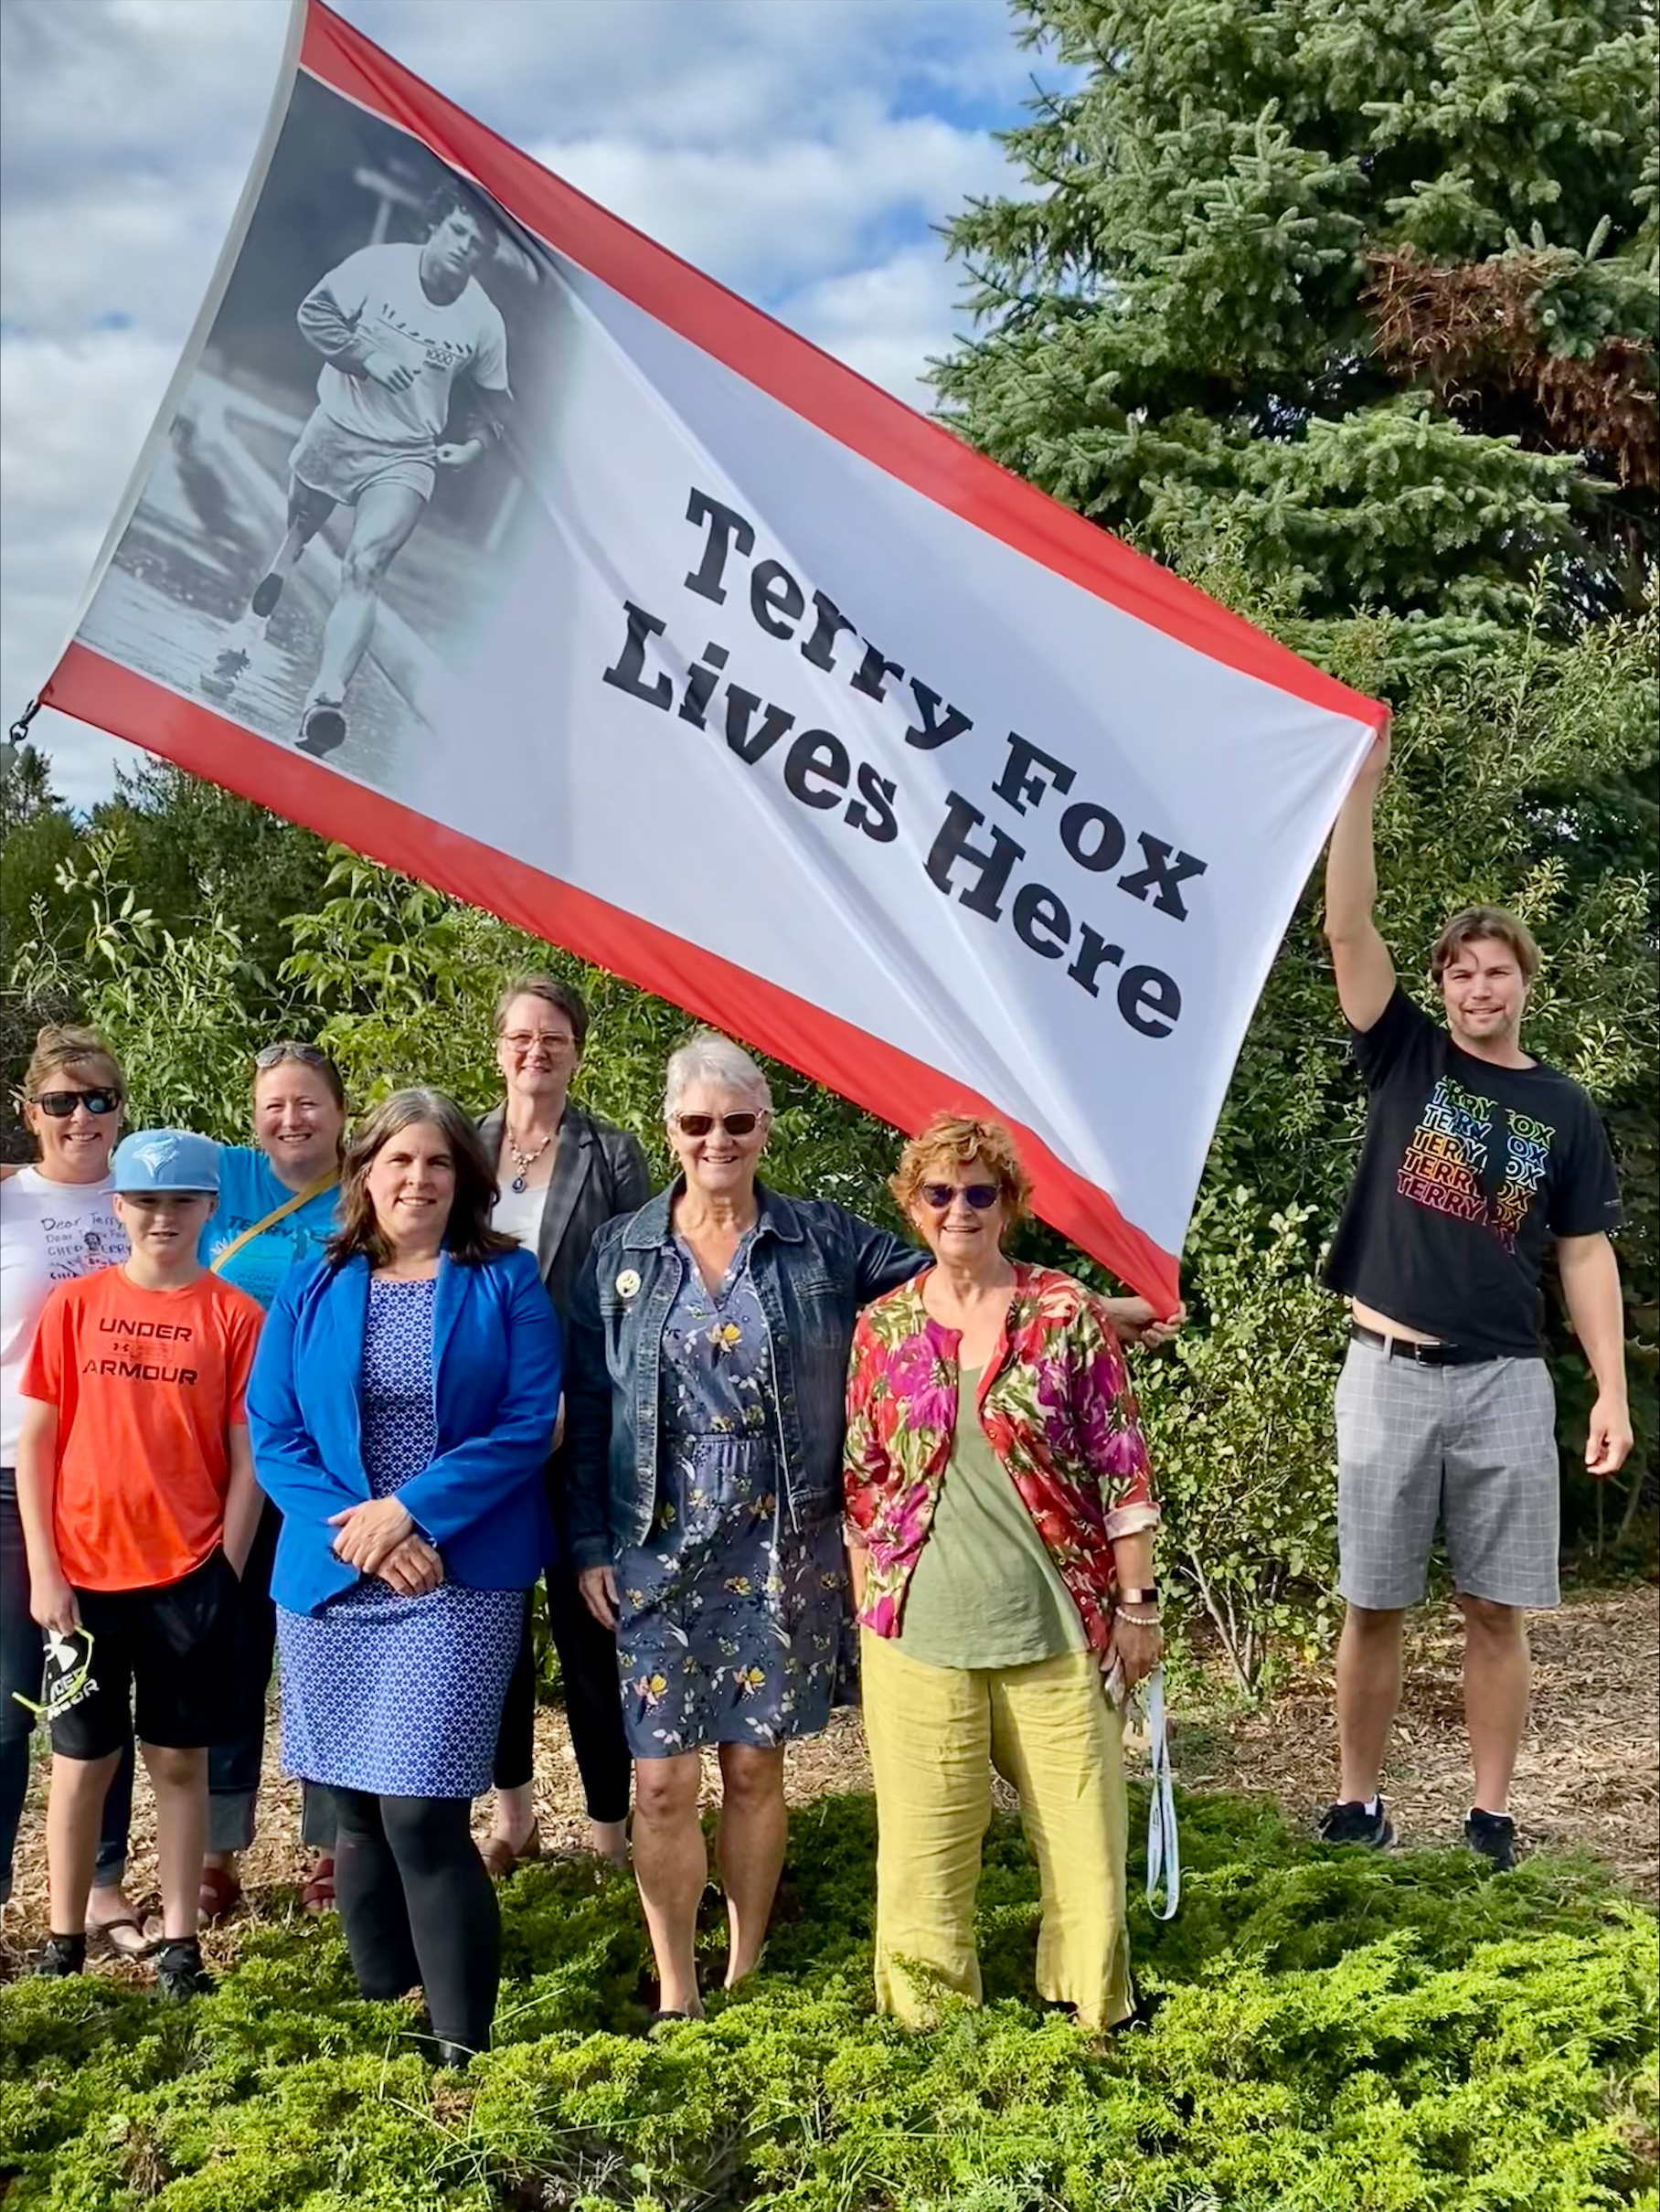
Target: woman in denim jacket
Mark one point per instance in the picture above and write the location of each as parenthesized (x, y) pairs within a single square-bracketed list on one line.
[(706, 1410)]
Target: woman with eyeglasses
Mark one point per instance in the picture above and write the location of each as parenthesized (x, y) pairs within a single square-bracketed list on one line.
[(57, 1223), (561, 1174), (278, 1206), (1000, 1520), (708, 1352)]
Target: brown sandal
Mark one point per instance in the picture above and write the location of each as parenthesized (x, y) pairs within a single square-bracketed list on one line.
[(220, 1895), (318, 1891), (129, 1936), (500, 1858)]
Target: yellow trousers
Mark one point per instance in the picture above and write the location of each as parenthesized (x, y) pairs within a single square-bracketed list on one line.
[(934, 1734)]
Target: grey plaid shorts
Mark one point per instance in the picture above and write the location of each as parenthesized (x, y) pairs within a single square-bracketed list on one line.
[(1474, 1448)]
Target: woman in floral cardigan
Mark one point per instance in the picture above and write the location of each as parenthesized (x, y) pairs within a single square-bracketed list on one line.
[(999, 1524)]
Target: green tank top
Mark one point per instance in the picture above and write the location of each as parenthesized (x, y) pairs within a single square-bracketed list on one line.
[(984, 1591)]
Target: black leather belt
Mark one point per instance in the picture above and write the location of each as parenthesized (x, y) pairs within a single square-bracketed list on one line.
[(1422, 1355)]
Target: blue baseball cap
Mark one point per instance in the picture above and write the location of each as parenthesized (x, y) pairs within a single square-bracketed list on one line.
[(165, 1159)]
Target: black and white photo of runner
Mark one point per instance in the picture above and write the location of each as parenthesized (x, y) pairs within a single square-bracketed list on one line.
[(414, 379), (345, 490)]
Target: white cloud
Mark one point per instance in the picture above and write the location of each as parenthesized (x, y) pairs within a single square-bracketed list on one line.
[(770, 217), (75, 419), (798, 152), (885, 321)]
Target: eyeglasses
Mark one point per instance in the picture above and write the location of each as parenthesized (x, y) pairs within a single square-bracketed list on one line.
[(522, 1040), (274, 1056), (700, 1124), (981, 1196), (60, 1104)]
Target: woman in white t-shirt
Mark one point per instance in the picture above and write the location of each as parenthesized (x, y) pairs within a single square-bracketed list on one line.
[(56, 1223)]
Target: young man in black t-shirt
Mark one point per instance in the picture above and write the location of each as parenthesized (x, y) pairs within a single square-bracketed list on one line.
[(1476, 1159)]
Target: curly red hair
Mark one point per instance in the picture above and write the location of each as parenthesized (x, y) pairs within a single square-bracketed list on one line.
[(958, 1138)]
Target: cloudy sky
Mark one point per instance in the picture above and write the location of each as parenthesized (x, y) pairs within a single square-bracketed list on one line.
[(798, 150)]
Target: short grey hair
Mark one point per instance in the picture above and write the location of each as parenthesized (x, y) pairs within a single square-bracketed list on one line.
[(709, 1058)]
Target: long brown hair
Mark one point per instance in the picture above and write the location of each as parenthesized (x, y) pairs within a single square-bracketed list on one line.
[(468, 1236)]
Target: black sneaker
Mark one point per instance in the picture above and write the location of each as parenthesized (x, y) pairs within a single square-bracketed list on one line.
[(1493, 1835), (179, 1972), (322, 727), (62, 1956), (1352, 1823), (266, 593)]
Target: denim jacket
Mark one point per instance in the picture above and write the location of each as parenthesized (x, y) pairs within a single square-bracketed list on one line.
[(813, 1265)]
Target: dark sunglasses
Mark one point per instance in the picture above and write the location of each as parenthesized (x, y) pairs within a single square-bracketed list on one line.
[(700, 1124), (60, 1104), (274, 1056), (981, 1196)]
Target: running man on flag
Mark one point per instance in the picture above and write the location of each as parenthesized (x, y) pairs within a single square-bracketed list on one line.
[(397, 325)]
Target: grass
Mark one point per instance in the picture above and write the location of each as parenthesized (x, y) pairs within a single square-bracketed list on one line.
[(1328, 2031)]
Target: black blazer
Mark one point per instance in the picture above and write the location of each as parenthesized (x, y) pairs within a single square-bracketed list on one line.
[(599, 1171)]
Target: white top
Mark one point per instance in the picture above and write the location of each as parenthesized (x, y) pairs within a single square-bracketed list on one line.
[(50, 1232), (518, 1214), (379, 288)]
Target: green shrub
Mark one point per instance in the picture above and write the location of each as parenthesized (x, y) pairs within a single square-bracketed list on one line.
[(1328, 2031)]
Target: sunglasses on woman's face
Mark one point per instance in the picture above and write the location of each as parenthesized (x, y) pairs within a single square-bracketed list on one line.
[(981, 1196), (60, 1104), (700, 1124)]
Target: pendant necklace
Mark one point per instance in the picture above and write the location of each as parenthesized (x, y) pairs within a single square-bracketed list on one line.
[(524, 1161)]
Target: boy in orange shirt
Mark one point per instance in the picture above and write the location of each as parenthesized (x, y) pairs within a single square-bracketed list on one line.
[(135, 1488)]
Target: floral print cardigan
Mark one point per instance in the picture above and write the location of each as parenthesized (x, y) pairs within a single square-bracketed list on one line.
[(1057, 1406)]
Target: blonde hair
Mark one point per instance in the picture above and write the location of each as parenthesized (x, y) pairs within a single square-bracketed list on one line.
[(959, 1138), (66, 1046)]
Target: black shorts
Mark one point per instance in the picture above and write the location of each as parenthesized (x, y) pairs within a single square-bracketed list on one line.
[(163, 1664)]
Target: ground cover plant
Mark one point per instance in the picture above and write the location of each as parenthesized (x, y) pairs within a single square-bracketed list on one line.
[(1327, 2031)]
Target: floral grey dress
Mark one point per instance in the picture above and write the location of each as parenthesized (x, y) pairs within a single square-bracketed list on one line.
[(730, 1624)]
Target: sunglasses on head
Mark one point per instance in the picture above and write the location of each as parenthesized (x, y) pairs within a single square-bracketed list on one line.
[(981, 1196), (274, 1056), (700, 1124), (60, 1104)]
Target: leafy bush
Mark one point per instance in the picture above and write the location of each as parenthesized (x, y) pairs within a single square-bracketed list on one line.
[(1238, 1414), (1329, 2030)]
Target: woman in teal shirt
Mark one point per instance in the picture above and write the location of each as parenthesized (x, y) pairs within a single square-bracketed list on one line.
[(277, 1204)]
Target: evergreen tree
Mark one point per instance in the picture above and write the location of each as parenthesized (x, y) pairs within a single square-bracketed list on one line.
[(1365, 289), (1347, 309)]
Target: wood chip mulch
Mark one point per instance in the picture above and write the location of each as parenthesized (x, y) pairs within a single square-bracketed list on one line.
[(1589, 1777)]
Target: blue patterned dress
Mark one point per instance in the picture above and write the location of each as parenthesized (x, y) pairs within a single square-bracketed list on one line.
[(729, 1626), (400, 1696)]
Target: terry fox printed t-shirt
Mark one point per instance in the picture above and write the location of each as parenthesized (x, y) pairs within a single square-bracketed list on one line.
[(49, 1233), (1467, 1173), (249, 1190), (378, 289), (147, 1384)]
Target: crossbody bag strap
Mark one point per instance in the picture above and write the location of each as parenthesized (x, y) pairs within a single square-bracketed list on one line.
[(277, 1212), (1163, 1858)]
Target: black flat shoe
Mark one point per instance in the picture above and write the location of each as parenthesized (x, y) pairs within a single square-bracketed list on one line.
[(61, 1956), (179, 1972)]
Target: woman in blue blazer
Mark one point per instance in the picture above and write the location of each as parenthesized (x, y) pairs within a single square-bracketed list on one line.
[(403, 1408)]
